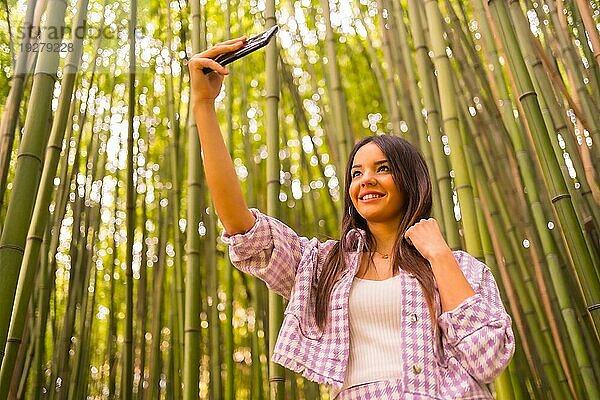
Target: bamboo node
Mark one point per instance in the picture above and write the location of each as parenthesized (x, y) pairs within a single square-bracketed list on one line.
[(560, 197), (12, 247), (449, 119), (527, 93), (54, 146), (30, 155), (36, 237), (463, 186)]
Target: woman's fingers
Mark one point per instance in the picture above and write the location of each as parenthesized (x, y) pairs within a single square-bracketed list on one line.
[(239, 39), (221, 49), (197, 62), (205, 58)]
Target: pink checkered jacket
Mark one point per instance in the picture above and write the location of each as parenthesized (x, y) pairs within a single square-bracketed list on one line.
[(473, 344)]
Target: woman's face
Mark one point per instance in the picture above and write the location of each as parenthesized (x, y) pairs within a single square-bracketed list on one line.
[(372, 189)]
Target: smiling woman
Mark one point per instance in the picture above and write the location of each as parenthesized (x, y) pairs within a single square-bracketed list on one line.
[(442, 316), (387, 190)]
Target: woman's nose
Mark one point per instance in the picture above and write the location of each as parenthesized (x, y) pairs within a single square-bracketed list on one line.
[(367, 179)]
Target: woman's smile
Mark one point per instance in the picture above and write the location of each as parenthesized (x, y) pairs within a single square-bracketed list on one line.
[(370, 196)]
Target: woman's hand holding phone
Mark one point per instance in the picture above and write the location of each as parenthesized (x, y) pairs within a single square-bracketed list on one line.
[(206, 87), (220, 174)]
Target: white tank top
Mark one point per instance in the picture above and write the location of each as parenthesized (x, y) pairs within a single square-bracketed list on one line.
[(374, 309)]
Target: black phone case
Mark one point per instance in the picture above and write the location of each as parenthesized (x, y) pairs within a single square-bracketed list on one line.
[(252, 44)]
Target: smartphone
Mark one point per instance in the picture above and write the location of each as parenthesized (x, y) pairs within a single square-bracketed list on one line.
[(252, 44)]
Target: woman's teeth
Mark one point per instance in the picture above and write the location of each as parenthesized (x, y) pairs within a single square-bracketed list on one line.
[(371, 196)]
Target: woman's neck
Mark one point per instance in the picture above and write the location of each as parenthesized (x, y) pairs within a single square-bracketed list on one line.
[(384, 235)]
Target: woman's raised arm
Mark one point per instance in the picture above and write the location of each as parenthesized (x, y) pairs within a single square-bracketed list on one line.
[(221, 178)]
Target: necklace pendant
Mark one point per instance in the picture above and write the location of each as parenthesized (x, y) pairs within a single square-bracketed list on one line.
[(385, 256)]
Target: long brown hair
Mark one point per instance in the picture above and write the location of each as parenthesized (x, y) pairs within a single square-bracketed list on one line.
[(411, 177)]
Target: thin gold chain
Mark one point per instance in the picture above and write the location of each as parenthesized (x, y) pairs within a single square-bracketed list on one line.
[(371, 264), (385, 256)]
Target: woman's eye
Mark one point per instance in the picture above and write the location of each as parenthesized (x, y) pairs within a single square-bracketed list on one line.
[(383, 168), (354, 174)]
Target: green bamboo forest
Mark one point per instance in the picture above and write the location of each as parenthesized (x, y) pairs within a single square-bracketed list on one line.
[(114, 282)]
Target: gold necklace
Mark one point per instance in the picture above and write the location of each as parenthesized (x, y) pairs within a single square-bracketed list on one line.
[(384, 256), (371, 263)]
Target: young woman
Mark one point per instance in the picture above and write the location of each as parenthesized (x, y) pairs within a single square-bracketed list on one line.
[(386, 312)]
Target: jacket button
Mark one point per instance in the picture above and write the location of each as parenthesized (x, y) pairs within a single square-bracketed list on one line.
[(417, 369), (414, 317)]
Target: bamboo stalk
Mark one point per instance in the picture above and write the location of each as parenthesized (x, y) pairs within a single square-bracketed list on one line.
[(462, 180), (142, 290), (404, 75), (191, 359), (129, 344), (10, 116), (43, 292), (79, 380), (28, 357), (39, 218), (227, 273), (153, 391), (27, 172), (338, 106), (21, 361), (175, 199), (369, 51), (390, 75), (214, 335), (441, 168), (417, 118), (111, 331), (277, 372), (552, 260)]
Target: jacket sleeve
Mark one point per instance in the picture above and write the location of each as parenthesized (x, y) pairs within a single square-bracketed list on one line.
[(478, 331), (270, 250)]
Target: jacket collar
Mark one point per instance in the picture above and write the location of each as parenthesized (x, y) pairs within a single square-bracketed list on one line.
[(354, 241)]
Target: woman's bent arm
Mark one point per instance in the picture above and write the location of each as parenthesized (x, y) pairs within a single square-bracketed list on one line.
[(221, 178)]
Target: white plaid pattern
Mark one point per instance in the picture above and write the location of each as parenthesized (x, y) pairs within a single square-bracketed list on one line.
[(473, 344)]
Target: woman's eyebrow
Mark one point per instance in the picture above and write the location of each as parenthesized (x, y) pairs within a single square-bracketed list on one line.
[(376, 163)]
